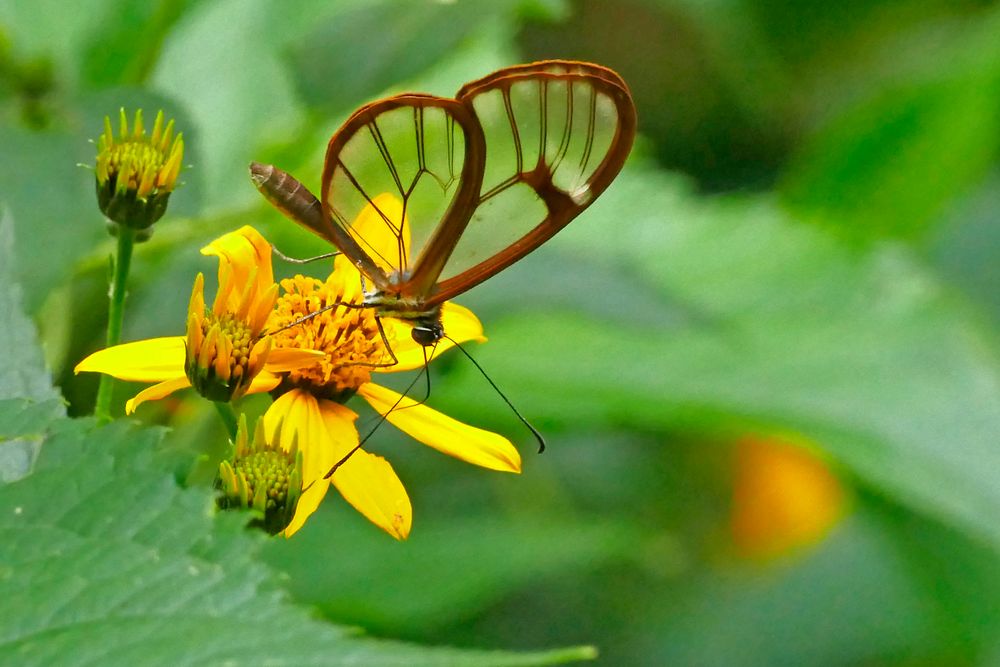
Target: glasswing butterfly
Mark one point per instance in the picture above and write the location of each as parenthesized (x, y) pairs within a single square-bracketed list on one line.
[(471, 184)]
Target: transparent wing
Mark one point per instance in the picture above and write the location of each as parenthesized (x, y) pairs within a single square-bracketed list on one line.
[(556, 134), (423, 155)]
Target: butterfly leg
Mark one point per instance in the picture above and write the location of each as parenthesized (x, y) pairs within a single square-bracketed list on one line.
[(307, 260), (306, 318), (385, 343)]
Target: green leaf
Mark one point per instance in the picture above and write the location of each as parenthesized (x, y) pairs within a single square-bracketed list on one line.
[(221, 61), (25, 386), (22, 427), (788, 330), (23, 373), (891, 162), (966, 250), (106, 561), (475, 560), (129, 41), (32, 25), (370, 48), (867, 596)]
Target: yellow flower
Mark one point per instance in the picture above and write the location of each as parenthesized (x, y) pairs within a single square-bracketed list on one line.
[(785, 498), (224, 354), (310, 410), (315, 365), (136, 173)]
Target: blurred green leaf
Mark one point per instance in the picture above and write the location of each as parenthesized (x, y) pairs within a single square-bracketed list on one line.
[(370, 48), (890, 163), (866, 597), (43, 188), (128, 44), (891, 167), (473, 563), (23, 373), (966, 249), (863, 354), (220, 60), (31, 27)]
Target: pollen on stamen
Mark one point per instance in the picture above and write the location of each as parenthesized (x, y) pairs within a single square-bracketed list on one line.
[(349, 336)]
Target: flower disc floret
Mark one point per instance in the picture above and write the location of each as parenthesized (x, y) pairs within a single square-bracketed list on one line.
[(262, 476), (348, 334), (225, 351)]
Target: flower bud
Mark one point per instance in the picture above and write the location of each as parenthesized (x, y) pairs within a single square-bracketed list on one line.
[(137, 172), (262, 477)]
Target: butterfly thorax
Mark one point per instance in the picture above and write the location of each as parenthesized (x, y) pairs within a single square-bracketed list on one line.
[(426, 320)]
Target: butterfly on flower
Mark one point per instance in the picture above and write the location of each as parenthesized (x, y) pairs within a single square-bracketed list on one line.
[(466, 185)]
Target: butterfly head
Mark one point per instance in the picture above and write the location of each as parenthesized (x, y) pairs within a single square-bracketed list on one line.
[(427, 332)]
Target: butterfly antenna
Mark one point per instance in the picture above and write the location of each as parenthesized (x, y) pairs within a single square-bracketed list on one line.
[(427, 376), (534, 431), (381, 420)]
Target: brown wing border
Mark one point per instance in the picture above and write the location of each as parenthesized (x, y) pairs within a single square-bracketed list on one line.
[(562, 209), (546, 67), (455, 218)]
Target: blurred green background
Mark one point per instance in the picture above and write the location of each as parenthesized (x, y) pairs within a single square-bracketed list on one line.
[(803, 249)]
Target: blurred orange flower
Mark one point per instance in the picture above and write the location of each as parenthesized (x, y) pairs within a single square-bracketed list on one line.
[(784, 497)]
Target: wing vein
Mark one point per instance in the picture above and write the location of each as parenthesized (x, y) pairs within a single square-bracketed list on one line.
[(567, 130), (357, 186), (384, 152), (543, 120), (513, 128), (589, 146)]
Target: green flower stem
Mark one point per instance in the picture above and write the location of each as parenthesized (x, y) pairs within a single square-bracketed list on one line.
[(228, 416), (116, 315)]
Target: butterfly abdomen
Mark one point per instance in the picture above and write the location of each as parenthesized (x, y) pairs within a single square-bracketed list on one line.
[(288, 196)]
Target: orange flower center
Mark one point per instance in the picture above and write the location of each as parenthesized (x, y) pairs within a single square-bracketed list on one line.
[(349, 336)]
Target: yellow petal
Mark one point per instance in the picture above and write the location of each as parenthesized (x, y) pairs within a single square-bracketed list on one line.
[(263, 382), (371, 486), (324, 434), (245, 250), (156, 392), (308, 503), (196, 306), (284, 359), (447, 435), (460, 324), (296, 413), (152, 360)]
